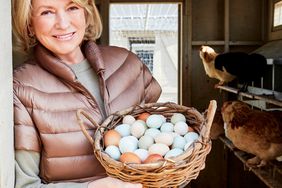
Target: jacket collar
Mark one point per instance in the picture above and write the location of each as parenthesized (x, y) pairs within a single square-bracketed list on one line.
[(59, 68)]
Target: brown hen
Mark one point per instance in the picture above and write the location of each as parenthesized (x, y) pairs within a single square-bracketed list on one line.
[(253, 131)]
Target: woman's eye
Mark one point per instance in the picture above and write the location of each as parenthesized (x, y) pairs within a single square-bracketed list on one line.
[(73, 8), (46, 12)]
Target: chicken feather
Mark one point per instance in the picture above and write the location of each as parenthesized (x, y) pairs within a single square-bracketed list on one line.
[(253, 131)]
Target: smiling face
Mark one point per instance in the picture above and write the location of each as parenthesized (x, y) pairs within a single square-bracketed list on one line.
[(59, 26)]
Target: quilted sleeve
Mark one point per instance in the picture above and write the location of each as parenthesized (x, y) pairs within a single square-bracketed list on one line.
[(26, 135), (152, 88)]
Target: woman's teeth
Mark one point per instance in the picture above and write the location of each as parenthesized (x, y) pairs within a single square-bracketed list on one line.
[(64, 37)]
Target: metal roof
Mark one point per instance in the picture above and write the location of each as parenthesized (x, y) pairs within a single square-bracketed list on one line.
[(144, 17)]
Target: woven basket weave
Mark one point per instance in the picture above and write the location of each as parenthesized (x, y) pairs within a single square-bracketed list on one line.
[(169, 173)]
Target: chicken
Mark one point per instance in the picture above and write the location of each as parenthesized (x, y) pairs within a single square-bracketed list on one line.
[(208, 55), (253, 131), (228, 66), (246, 67)]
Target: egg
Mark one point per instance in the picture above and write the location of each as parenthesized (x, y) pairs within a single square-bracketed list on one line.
[(154, 121), (137, 129), (176, 117), (174, 134), (143, 116), (187, 145), (163, 118), (179, 142), (112, 137), (158, 148), (142, 154), (123, 129), (167, 127), (145, 142), (142, 122), (190, 137), (190, 129), (129, 157), (181, 128), (173, 153), (153, 158), (153, 132), (164, 138), (128, 119), (113, 152), (128, 144)]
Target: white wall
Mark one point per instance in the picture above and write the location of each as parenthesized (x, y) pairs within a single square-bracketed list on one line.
[(6, 98)]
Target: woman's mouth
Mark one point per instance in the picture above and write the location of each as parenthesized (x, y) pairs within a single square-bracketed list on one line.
[(65, 37)]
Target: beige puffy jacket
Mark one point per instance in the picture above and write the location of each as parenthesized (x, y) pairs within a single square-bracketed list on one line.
[(47, 95)]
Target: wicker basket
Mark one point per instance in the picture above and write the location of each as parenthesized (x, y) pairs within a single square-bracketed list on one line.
[(169, 173)]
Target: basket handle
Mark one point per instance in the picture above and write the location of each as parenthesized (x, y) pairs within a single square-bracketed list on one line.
[(210, 115), (80, 112)]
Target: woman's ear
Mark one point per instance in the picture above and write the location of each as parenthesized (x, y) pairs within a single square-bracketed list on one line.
[(30, 29)]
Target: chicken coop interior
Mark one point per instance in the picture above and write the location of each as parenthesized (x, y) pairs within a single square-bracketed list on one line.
[(167, 35)]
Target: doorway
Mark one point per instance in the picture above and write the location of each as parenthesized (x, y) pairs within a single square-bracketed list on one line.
[(150, 30)]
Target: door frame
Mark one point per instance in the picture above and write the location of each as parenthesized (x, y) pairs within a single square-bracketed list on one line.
[(7, 164)]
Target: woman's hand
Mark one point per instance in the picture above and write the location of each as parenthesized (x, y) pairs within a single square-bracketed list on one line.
[(110, 182)]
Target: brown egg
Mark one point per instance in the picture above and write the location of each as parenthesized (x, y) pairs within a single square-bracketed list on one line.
[(153, 158), (112, 137), (129, 157), (190, 129), (143, 116)]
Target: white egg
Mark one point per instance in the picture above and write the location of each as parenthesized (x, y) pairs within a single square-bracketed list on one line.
[(179, 142), (128, 119), (164, 138), (153, 132), (191, 136), (142, 154), (145, 142), (158, 148), (173, 153), (154, 121), (113, 152), (123, 129), (128, 144), (174, 134), (143, 123), (188, 144), (181, 128), (163, 118), (137, 129), (167, 127), (176, 117)]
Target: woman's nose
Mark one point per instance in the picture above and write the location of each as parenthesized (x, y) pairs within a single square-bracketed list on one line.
[(62, 20)]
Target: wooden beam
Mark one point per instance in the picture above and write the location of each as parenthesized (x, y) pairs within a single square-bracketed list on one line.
[(226, 25), (231, 43)]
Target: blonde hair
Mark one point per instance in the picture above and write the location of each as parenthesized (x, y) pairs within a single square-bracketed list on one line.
[(24, 38)]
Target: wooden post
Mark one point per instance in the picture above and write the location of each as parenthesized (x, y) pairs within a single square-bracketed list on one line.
[(7, 174)]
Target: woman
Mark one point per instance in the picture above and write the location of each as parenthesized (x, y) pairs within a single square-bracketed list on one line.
[(68, 71)]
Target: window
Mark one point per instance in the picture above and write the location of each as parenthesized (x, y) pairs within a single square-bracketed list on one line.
[(277, 15)]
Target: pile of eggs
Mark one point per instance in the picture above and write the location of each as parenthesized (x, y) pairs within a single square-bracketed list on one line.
[(149, 138)]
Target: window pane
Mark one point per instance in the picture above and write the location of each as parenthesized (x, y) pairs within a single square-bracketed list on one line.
[(277, 14), (151, 31)]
